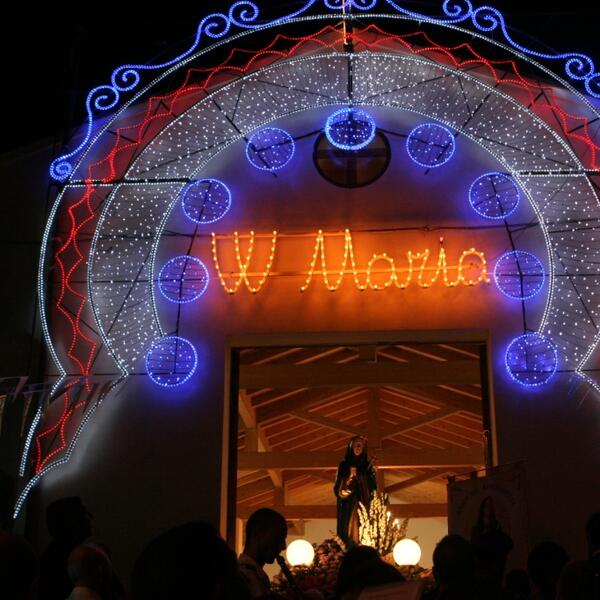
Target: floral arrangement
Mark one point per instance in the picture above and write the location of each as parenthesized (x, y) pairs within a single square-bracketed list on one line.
[(320, 575), (377, 528)]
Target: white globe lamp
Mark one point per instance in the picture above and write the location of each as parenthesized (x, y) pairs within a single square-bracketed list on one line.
[(300, 552), (407, 553)]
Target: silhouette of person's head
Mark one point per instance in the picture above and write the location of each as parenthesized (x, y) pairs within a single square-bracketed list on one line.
[(189, 561), (453, 562), (266, 532), (18, 567), (89, 566), (354, 558), (544, 565), (491, 550), (68, 520), (362, 568)]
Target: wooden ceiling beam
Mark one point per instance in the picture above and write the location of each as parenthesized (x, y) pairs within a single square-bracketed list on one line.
[(327, 511), (328, 476), (359, 374), (416, 480), (459, 350), (436, 396), (311, 417), (386, 459), (429, 417), (256, 440), (423, 477), (262, 356), (254, 489), (287, 405)]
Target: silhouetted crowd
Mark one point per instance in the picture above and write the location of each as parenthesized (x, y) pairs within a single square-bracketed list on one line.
[(192, 561)]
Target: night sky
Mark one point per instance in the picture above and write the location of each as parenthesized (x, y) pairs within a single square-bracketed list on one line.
[(57, 57)]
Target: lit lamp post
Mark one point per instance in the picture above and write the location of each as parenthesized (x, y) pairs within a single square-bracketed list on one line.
[(300, 552)]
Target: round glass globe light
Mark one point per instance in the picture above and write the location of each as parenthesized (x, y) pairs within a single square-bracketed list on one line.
[(407, 552), (300, 552)]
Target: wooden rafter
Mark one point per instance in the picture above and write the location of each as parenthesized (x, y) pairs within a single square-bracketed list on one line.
[(387, 458), (287, 405), (255, 438), (429, 417), (328, 476), (416, 480), (437, 397), (359, 374), (327, 511), (311, 417)]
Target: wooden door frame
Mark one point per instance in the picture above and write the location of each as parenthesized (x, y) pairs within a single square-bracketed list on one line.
[(235, 343)]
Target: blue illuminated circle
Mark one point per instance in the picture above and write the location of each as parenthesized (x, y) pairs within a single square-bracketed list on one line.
[(494, 196), (531, 359), (519, 274), (350, 129), (206, 201), (171, 361), (270, 149), (183, 279), (430, 145)]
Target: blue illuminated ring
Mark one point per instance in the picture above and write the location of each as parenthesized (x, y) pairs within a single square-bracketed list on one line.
[(502, 201), (206, 201), (531, 359), (171, 361), (350, 129), (422, 142), (177, 284), (270, 149), (523, 282)]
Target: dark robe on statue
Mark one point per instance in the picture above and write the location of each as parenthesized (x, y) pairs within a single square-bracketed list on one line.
[(350, 491)]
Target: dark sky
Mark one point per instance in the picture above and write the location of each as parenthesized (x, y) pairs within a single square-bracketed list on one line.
[(58, 56)]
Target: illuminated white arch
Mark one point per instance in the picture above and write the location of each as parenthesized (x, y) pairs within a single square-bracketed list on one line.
[(580, 342), (538, 148)]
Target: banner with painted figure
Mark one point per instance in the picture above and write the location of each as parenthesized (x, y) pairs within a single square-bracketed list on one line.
[(492, 508)]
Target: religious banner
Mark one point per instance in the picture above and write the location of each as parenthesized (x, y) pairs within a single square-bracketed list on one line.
[(492, 504)]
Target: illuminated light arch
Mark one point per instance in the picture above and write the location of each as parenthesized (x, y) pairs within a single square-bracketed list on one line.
[(83, 210), (533, 156), (565, 119)]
